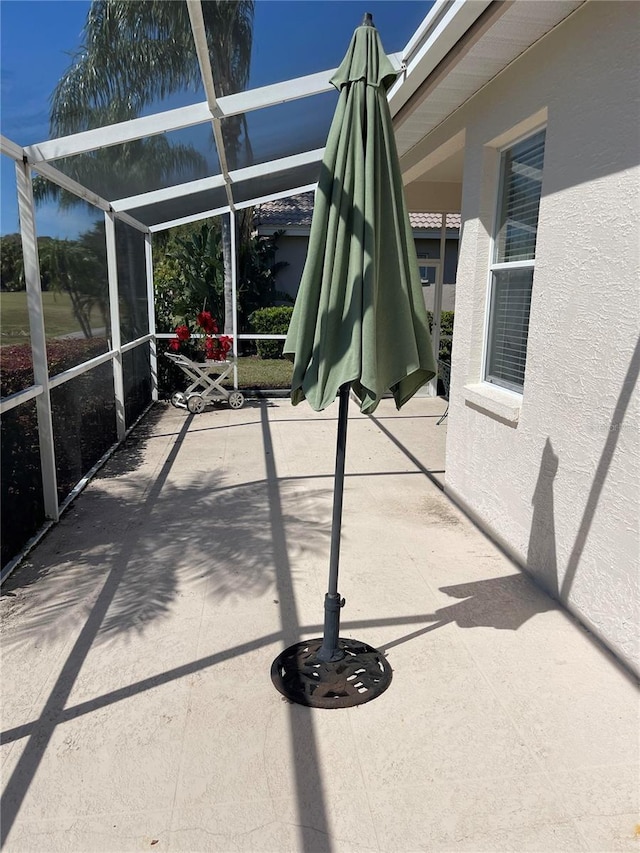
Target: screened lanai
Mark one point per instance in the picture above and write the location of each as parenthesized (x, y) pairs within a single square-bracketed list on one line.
[(122, 183)]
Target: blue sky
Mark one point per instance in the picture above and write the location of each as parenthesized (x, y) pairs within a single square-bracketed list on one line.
[(291, 38)]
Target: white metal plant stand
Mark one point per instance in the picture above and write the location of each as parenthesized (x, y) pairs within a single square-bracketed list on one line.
[(206, 384)]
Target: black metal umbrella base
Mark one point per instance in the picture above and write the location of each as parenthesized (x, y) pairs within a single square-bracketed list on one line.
[(361, 675)]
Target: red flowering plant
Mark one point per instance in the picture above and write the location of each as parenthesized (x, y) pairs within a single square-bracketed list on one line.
[(214, 348)]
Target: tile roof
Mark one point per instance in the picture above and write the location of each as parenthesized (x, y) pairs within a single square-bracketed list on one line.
[(296, 211)]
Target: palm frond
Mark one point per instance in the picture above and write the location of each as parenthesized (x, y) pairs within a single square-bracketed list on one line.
[(135, 52)]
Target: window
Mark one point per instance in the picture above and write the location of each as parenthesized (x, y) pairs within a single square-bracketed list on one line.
[(428, 269), (513, 262)]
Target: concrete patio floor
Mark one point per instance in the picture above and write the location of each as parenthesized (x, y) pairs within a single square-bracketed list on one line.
[(138, 711)]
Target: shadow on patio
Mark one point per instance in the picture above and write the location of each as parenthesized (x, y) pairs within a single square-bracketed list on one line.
[(137, 640)]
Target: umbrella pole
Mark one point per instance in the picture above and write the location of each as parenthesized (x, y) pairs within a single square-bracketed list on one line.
[(330, 672), (330, 649)]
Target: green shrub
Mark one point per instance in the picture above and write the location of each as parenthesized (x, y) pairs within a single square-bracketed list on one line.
[(271, 321), (446, 328)]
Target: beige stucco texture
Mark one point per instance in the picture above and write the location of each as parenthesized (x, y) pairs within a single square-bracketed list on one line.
[(555, 473)]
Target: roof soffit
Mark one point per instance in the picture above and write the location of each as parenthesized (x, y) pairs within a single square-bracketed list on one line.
[(498, 38)]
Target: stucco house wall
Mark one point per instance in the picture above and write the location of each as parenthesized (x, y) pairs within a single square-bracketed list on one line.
[(292, 250), (292, 219), (431, 247), (554, 473)]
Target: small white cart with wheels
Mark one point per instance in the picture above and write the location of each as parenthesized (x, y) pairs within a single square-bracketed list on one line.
[(206, 384)]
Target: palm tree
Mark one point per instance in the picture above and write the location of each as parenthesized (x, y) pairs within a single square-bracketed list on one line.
[(74, 268), (134, 52)]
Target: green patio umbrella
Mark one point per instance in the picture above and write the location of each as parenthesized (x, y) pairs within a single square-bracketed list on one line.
[(359, 323)]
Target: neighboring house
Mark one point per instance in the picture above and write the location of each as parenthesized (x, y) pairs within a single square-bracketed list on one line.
[(293, 216), (529, 127)]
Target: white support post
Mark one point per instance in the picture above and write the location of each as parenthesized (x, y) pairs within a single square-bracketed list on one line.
[(432, 386), (234, 294), (114, 309), (38, 339), (153, 346), (437, 298)]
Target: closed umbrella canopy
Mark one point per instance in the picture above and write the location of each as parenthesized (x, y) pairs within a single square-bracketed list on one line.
[(359, 322), (359, 315)]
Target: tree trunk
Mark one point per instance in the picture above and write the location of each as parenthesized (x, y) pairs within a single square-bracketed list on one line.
[(228, 261)]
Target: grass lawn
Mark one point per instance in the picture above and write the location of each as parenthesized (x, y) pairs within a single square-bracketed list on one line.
[(254, 372), (58, 316)]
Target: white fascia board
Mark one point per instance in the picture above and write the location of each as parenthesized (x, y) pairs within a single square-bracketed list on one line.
[(428, 22), (12, 149), (439, 39), (279, 165), (176, 191), (117, 134)]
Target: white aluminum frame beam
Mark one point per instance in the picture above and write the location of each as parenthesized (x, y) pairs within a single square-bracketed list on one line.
[(67, 183), (151, 309), (168, 193), (33, 286), (118, 133), (177, 119), (293, 161), (19, 397), (189, 116), (79, 369), (114, 311), (10, 148), (13, 150), (202, 51), (234, 294), (252, 202), (203, 184), (185, 220)]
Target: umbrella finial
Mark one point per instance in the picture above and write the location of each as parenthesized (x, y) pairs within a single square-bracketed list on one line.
[(367, 21)]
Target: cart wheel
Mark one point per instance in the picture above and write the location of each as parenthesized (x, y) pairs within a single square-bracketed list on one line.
[(178, 400), (236, 400), (195, 404)]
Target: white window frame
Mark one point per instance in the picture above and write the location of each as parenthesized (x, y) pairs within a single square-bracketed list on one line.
[(496, 266)]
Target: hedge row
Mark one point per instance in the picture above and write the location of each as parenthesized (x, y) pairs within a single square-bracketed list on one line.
[(84, 427), (275, 321), (271, 321), (16, 368)]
